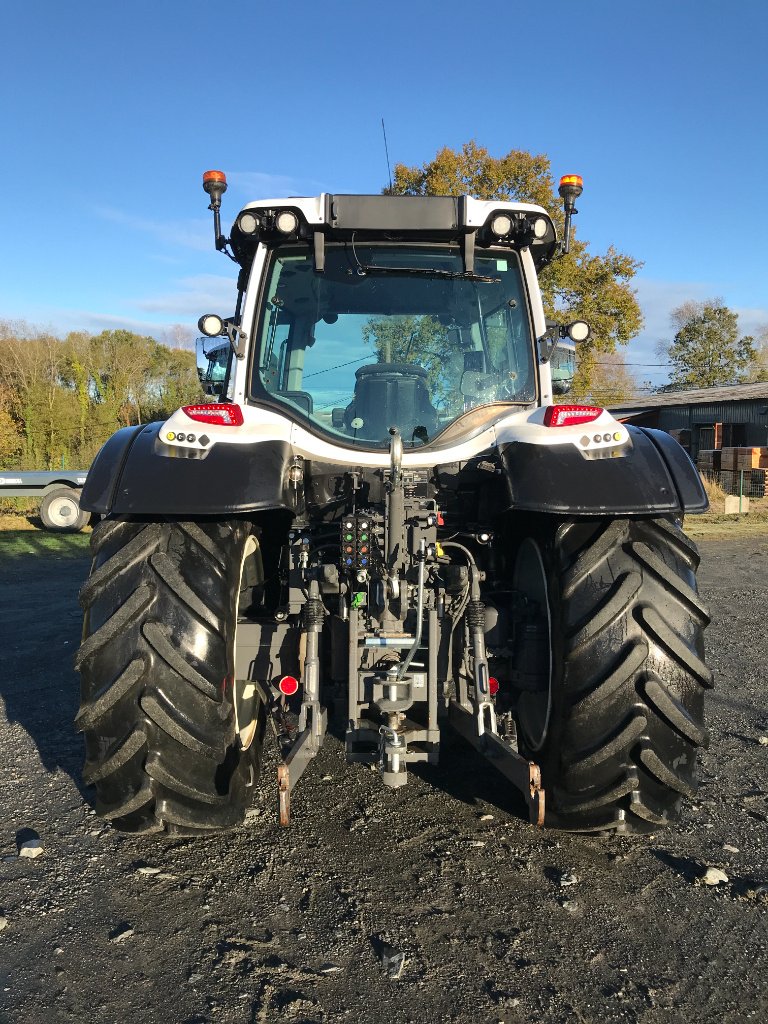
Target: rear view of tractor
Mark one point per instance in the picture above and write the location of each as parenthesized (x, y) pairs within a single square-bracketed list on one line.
[(380, 516)]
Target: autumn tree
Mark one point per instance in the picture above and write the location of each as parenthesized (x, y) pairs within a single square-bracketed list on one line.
[(581, 285), (706, 350), (416, 339), (610, 381), (758, 371), (60, 400)]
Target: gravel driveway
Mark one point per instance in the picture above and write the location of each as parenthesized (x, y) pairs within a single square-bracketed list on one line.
[(433, 903)]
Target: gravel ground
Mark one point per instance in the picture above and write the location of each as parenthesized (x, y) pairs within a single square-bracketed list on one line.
[(433, 903)]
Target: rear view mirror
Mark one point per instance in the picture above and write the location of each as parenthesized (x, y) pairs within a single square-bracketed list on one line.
[(212, 365)]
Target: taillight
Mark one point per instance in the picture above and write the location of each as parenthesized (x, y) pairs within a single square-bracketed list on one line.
[(493, 686), (569, 415), (224, 415)]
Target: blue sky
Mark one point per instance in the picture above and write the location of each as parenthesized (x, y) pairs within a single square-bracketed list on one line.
[(111, 112)]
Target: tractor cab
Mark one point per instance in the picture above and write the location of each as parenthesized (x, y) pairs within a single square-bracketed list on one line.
[(368, 313)]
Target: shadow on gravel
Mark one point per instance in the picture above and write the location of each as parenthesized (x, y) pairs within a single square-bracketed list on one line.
[(40, 624), (462, 772), (686, 867), (466, 775)]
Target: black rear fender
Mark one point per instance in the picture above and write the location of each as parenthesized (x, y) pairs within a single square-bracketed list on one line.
[(135, 474), (655, 476)]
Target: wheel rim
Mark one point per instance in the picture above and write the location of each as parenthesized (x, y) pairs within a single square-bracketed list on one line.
[(63, 511), (534, 707)]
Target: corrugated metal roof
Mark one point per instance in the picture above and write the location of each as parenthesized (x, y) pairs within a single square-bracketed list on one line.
[(732, 393)]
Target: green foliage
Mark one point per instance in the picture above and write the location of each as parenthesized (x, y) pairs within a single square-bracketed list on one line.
[(61, 400), (578, 286), (706, 350)]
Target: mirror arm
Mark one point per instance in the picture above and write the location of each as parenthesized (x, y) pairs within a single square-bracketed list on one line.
[(237, 338), (549, 341)]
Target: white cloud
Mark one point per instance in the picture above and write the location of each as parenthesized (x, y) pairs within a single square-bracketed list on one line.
[(194, 234), (63, 321), (752, 320), (657, 300), (261, 185), (193, 296)]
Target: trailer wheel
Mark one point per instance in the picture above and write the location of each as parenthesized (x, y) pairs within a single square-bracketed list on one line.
[(616, 715), (163, 744), (60, 511)]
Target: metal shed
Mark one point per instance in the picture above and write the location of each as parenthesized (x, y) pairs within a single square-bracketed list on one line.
[(724, 417)]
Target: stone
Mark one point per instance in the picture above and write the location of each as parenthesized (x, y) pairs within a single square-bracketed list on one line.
[(730, 849), (3, 922), (763, 741), (486, 817), (121, 933), (713, 876), (147, 870), (31, 848), (568, 878), (393, 961)]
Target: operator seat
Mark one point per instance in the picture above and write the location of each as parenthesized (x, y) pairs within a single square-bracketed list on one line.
[(302, 399), (390, 394)]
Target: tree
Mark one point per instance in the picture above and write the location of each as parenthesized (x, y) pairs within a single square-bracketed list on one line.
[(706, 350), (577, 286), (610, 382), (758, 371), (417, 339), (61, 400)]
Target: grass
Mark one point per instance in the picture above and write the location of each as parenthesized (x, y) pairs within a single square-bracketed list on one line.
[(721, 527), (715, 492), (25, 542)]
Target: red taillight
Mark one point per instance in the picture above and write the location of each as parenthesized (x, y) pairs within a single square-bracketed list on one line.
[(493, 686), (288, 685), (570, 415), (224, 415)]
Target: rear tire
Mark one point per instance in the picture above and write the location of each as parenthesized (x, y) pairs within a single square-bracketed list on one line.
[(157, 666), (60, 511), (627, 679)]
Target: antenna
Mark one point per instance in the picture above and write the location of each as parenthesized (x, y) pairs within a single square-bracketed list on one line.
[(386, 150)]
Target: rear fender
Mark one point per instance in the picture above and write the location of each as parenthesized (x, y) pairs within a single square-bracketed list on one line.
[(136, 474), (656, 475)]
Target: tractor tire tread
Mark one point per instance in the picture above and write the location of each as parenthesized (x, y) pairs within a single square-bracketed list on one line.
[(156, 664), (629, 708)]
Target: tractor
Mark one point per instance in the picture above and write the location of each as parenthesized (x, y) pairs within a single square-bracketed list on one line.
[(386, 519)]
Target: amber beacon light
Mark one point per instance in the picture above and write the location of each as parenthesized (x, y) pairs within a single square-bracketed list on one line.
[(215, 184), (571, 187)]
